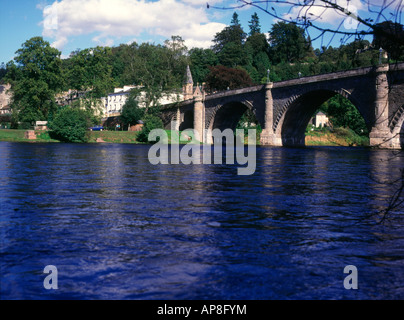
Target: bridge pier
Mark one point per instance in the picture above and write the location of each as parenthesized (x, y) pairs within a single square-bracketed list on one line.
[(199, 115), (177, 119), (380, 135), (268, 137)]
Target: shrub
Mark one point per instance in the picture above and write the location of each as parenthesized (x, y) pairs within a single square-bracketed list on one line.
[(71, 125), (150, 122)]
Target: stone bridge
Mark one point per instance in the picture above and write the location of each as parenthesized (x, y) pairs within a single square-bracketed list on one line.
[(284, 108)]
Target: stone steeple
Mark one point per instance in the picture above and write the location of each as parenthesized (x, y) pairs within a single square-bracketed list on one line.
[(188, 86)]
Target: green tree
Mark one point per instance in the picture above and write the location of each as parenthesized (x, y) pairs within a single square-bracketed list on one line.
[(343, 113), (151, 122), (3, 72), (230, 34), (35, 77), (131, 112), (288, 43), (178, 60), (257, 48), (232, 55), (386, 35), (71, 125), (254, 24), (201, 60), (91, 70), (223, 78)]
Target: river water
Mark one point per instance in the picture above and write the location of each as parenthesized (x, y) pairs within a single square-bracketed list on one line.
[(117, 227)]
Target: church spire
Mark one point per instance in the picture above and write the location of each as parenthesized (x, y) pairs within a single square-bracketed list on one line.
[(188, 86), (188, 76)]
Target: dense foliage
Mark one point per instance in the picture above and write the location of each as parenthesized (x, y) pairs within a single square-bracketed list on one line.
[(343, 113), (151, 121), (131, 111), (71, 125), (36, 77), (222, 78)]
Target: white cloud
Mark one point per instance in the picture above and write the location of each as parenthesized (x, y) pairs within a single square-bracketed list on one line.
[(317, 11), (106, 20)]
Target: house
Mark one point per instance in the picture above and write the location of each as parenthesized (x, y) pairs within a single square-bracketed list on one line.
[(114, 102), (320, 120)]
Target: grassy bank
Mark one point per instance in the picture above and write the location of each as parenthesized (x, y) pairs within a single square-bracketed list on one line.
[(113, 136), (12, 135), (336, 137), (18, 136), (323, 137)]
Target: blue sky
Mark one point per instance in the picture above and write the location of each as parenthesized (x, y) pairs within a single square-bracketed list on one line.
[(72, 24)]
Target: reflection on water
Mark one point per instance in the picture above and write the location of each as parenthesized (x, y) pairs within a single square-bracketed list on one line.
[(117, 227)]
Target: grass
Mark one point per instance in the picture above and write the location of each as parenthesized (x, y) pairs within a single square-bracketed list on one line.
[(317, 137), (336, 137), (113, 136), (18, 136), (123, 136)]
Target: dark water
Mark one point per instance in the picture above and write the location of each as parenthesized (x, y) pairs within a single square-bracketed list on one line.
[(117, 227)]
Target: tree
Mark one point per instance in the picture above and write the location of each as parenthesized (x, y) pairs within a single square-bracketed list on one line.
[(288, 43), (254, 24), (234, 20), (231, 34), (151, 122), (71, 125), (3, 72), (257, 50), (131, 112), (178, 60), (90, 70), (232, 55), (223, 78), (35, 77), (389, 43), (201, 60), (344, 114)]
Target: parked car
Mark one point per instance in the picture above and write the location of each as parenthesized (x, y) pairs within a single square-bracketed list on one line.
[(97, 128)]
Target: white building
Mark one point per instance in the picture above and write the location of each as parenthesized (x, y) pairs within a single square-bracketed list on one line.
[(320, 120), (5, 99), (114, 102)]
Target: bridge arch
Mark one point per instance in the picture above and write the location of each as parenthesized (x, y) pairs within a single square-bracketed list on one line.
[(226, 116), (187, 120), (397, 119), (295, 115), (397, 127)]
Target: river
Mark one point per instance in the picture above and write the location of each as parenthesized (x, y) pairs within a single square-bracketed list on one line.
[(117, 227)]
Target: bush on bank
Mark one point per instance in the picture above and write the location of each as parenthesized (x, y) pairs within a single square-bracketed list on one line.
[(71, 125), (150, 122)]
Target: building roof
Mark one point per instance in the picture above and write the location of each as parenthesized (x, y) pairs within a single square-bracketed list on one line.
[(320, 114)]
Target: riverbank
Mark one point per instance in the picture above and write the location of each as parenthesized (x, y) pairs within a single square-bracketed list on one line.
[(339, 137), (12, 135)]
